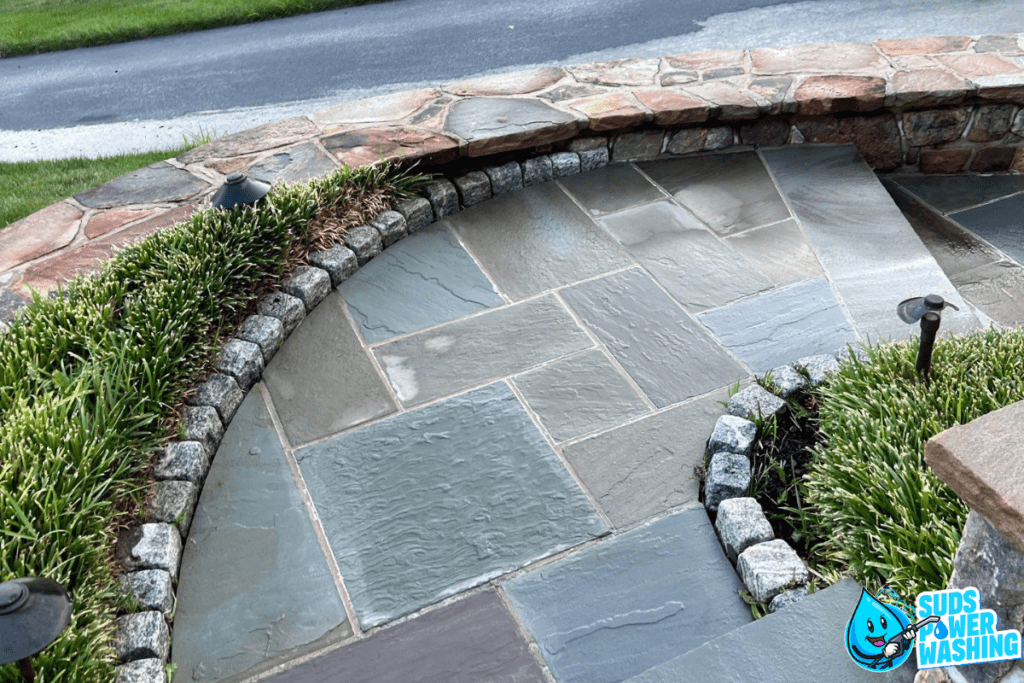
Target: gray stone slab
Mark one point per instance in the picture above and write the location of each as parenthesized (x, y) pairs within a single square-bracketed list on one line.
[(435, 501), (699, 270), (1001, 223), (955, 249), (297, 164), (647, 467), (579, 395), (611, 188), (955, 192), (864, 243), (535, 240), (729, 192), (500, 124), (669, 355), (159, 182), (252, 561), (777, 327), (322, 380), (426, 279), (468, 641), (780, 252), (997, 289), (472, 352), (803, 643), (635, 601)]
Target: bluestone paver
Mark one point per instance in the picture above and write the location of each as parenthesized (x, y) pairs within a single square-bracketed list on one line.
[(424, 280), (645, 467), (997, 289), (620, 607), (729, 192), (437, 500), (536, 239), (471, 640), (1001, 223), (159, 182), (251, 561), (779, 251), (611, 188), (803, 643), (322, 380), (870, 252), (699, 270), (949, 193), (777, 327), (579, 395), (666, 352), (477, 350)]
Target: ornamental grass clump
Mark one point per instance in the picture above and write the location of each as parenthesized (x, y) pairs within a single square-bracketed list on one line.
[(882, 516), (89, 382)]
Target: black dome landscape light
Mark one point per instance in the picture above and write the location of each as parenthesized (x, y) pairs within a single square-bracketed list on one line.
[(927, 309), (33, 612), (238, 189)]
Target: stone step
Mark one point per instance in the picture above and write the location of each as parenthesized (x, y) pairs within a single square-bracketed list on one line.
[(802, 643), (872, 255)]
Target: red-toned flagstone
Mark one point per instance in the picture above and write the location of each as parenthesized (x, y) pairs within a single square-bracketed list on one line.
[(229, 166), (107, 221), (673, 108), (636, 71), (382, 108), (834, 58), (922, 46), (729, 100), (773, 90), (611, 112), (41, 233), (402, 144), (981, 462), (709, 60), (45, 275), (1018, 160), (877, 137), (516, 83), (833, 94), (258, 139), (926, 88), (993, 159), (148, 227), (972, 66), (940, 161)]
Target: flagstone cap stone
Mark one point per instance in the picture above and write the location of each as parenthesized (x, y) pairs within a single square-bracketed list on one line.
[(41, 233), (159, 182), (498, 124), (516, 83), (981, 461)]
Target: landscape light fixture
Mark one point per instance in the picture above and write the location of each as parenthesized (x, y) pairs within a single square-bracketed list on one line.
[(927, 309), (33, 612), (238, 189)]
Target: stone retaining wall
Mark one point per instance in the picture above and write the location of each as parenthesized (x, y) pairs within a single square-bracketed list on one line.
[(940, 105)]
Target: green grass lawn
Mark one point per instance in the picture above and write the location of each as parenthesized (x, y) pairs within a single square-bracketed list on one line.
[(33, 26), (89, 383)]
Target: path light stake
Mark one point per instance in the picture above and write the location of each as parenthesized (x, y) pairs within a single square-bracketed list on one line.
[(33, 612), (927, 309)]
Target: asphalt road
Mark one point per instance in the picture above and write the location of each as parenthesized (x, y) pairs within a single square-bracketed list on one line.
[(148, 94)]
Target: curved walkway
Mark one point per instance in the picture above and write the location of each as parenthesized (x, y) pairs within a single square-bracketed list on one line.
[(494, 425)]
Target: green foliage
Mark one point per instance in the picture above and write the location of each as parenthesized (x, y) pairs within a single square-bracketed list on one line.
[(884, 516), (86, 383)]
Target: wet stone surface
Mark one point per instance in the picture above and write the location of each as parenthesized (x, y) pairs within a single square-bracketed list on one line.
[(1001, 223), (644, 468), (997, 289), (665, 351), (613, 188), (663, 589), (439, 499), (297, 164), (729, 192), (780, 252), (579, 395), (957, 192), (153, 184), (468, 353), (322, 381), (424, 280), (493, 125), (251, 560), (697, 269), (536, 239)]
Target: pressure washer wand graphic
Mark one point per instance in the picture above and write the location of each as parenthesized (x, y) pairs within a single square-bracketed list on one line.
[(900, 642)]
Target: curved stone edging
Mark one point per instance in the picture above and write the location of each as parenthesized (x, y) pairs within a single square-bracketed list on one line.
[(939, 105)]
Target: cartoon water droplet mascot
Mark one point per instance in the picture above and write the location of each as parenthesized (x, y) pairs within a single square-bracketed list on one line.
[(880, 636)]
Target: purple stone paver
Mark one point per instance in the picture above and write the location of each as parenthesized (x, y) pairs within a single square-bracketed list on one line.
[(474, 639)]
